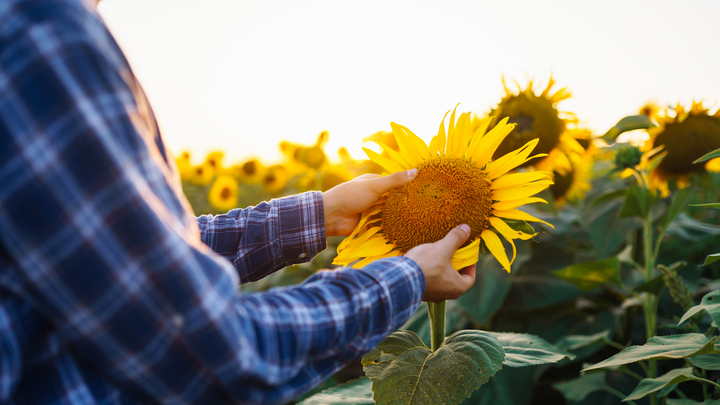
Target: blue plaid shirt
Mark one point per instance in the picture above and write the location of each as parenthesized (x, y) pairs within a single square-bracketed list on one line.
[(111, 291)]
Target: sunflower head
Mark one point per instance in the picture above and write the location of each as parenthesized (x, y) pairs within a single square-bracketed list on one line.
[(275, 178), (224, 193), (203, 174), (214, 159), (184, 166), (628, 156), (685, 136), (536, 116), (458, 182), (573, 184)]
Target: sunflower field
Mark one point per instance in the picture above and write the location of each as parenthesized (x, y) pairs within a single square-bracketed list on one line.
[(598, 254)]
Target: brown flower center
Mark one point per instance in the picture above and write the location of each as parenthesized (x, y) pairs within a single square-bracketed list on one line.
[(447, 192), (687, 141)]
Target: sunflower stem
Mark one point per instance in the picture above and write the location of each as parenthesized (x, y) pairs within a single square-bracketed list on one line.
[(650, 306), (437, 324)]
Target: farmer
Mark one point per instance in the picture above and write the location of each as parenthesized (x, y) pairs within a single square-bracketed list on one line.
[(112, 292)]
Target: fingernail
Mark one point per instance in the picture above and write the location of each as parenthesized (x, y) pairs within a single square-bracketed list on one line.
[(465, 228), (412, 173)]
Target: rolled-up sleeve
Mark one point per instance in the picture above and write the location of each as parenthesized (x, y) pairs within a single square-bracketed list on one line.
[(262, 239)]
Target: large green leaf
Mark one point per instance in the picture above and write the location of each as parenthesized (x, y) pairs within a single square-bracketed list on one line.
[(535, 291), (678, 204), (709, 303), (606, 229), (492, 284), (654, 286), (575, 342), (579, 388), (405, 371), (629, 123), (638, 202), (708, 156), (650, 385), (683, 401), (689, 229), (355, 392), (522, 350), (502, 388), (709, 205), (591, 275), (609, 196), (711, 259), (673, 346), (707, 361)]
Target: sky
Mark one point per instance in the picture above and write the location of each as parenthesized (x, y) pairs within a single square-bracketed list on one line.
[(240, 76)]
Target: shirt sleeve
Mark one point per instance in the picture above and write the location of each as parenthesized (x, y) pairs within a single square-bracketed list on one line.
[(262, 239), (101, 246)]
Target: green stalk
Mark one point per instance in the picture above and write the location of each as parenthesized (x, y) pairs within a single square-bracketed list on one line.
[(437, 324), (650, 306)]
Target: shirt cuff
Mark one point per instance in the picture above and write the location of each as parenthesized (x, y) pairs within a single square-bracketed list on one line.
[(301, 226)]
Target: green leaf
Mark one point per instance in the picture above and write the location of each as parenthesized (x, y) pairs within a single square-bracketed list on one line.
[(629, 123), (522, 350), (609, 196), (606, 229), (575, 342), (677, 206), (707, 361), (638, 202), (711, 259), (683, 401), (591, 275), (502, 388), (673, 346), (404, 371), (709, 205), (355, 392), (709, 303), (650, 385), (653, 286), (579, 388), (492, 284), (711, 155)]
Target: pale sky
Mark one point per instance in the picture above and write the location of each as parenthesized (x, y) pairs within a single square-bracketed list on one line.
[(243, 75)]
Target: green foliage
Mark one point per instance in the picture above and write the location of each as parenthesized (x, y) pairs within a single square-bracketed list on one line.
[(649, 385), (579, 388), (522, 350), (638, 202), (405, 371), (592, 275), (356, 392), (710, 303), (629, 123), (711, 155), (659, 347)]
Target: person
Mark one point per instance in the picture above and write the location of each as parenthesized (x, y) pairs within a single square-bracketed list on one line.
[(112, 292)]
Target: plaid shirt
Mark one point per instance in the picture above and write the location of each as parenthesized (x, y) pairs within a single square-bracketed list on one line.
[(111, 292)]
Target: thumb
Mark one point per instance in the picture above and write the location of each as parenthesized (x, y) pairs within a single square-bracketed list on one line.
[(454, 239), (383, 184)]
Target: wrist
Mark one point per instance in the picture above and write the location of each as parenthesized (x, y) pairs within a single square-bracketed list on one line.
[(330, 212)]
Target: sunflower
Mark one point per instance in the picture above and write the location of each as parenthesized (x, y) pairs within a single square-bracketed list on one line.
[(457, 182), (224, 193), (299, 158), (686, 136), (184, 166), (537, 117), (573, 184), (275, 178), (334, 175), (203, 174), (214, 159), (249, 172)]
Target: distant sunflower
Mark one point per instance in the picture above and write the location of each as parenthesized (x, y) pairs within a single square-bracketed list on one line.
[(299, 157), (203, 174), (249, 172), (334, 175), (537, 117), (224, 193), (457, 182), (685, 136), (214, 159), (573, 184), (274, 178), (184, 166)]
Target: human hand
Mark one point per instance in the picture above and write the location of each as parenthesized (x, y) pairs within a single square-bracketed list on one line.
[(344, 203), (442, 282)]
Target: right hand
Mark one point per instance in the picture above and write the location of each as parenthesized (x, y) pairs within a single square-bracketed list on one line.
[(442, 281)]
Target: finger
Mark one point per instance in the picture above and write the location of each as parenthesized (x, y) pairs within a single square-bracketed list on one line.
[(454, 239), (468, 276), (383, 184), (366, 176)]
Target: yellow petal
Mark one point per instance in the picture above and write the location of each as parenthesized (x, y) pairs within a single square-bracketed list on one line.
[(374, 247), (496, 248), (514, 159), (420, 147), (516, 214), (508, 205), (515, 179), (477, 137), (451, 134), (437, 145), (713, 165), (461, 135), (395, 156), (627, 173), (508, 232), (490, 142), (406, 148), (386, 163), (364, 262), (516, 193), (466, 256)]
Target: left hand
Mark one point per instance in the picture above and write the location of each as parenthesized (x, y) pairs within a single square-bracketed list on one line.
[(345, 202)]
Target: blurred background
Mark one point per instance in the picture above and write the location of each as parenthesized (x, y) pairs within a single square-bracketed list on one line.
[(243, 75)]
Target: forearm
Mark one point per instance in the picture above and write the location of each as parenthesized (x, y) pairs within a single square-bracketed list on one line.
[(262, 239)]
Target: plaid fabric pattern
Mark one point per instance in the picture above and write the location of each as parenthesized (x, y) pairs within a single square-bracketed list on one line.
[(111, 292)]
